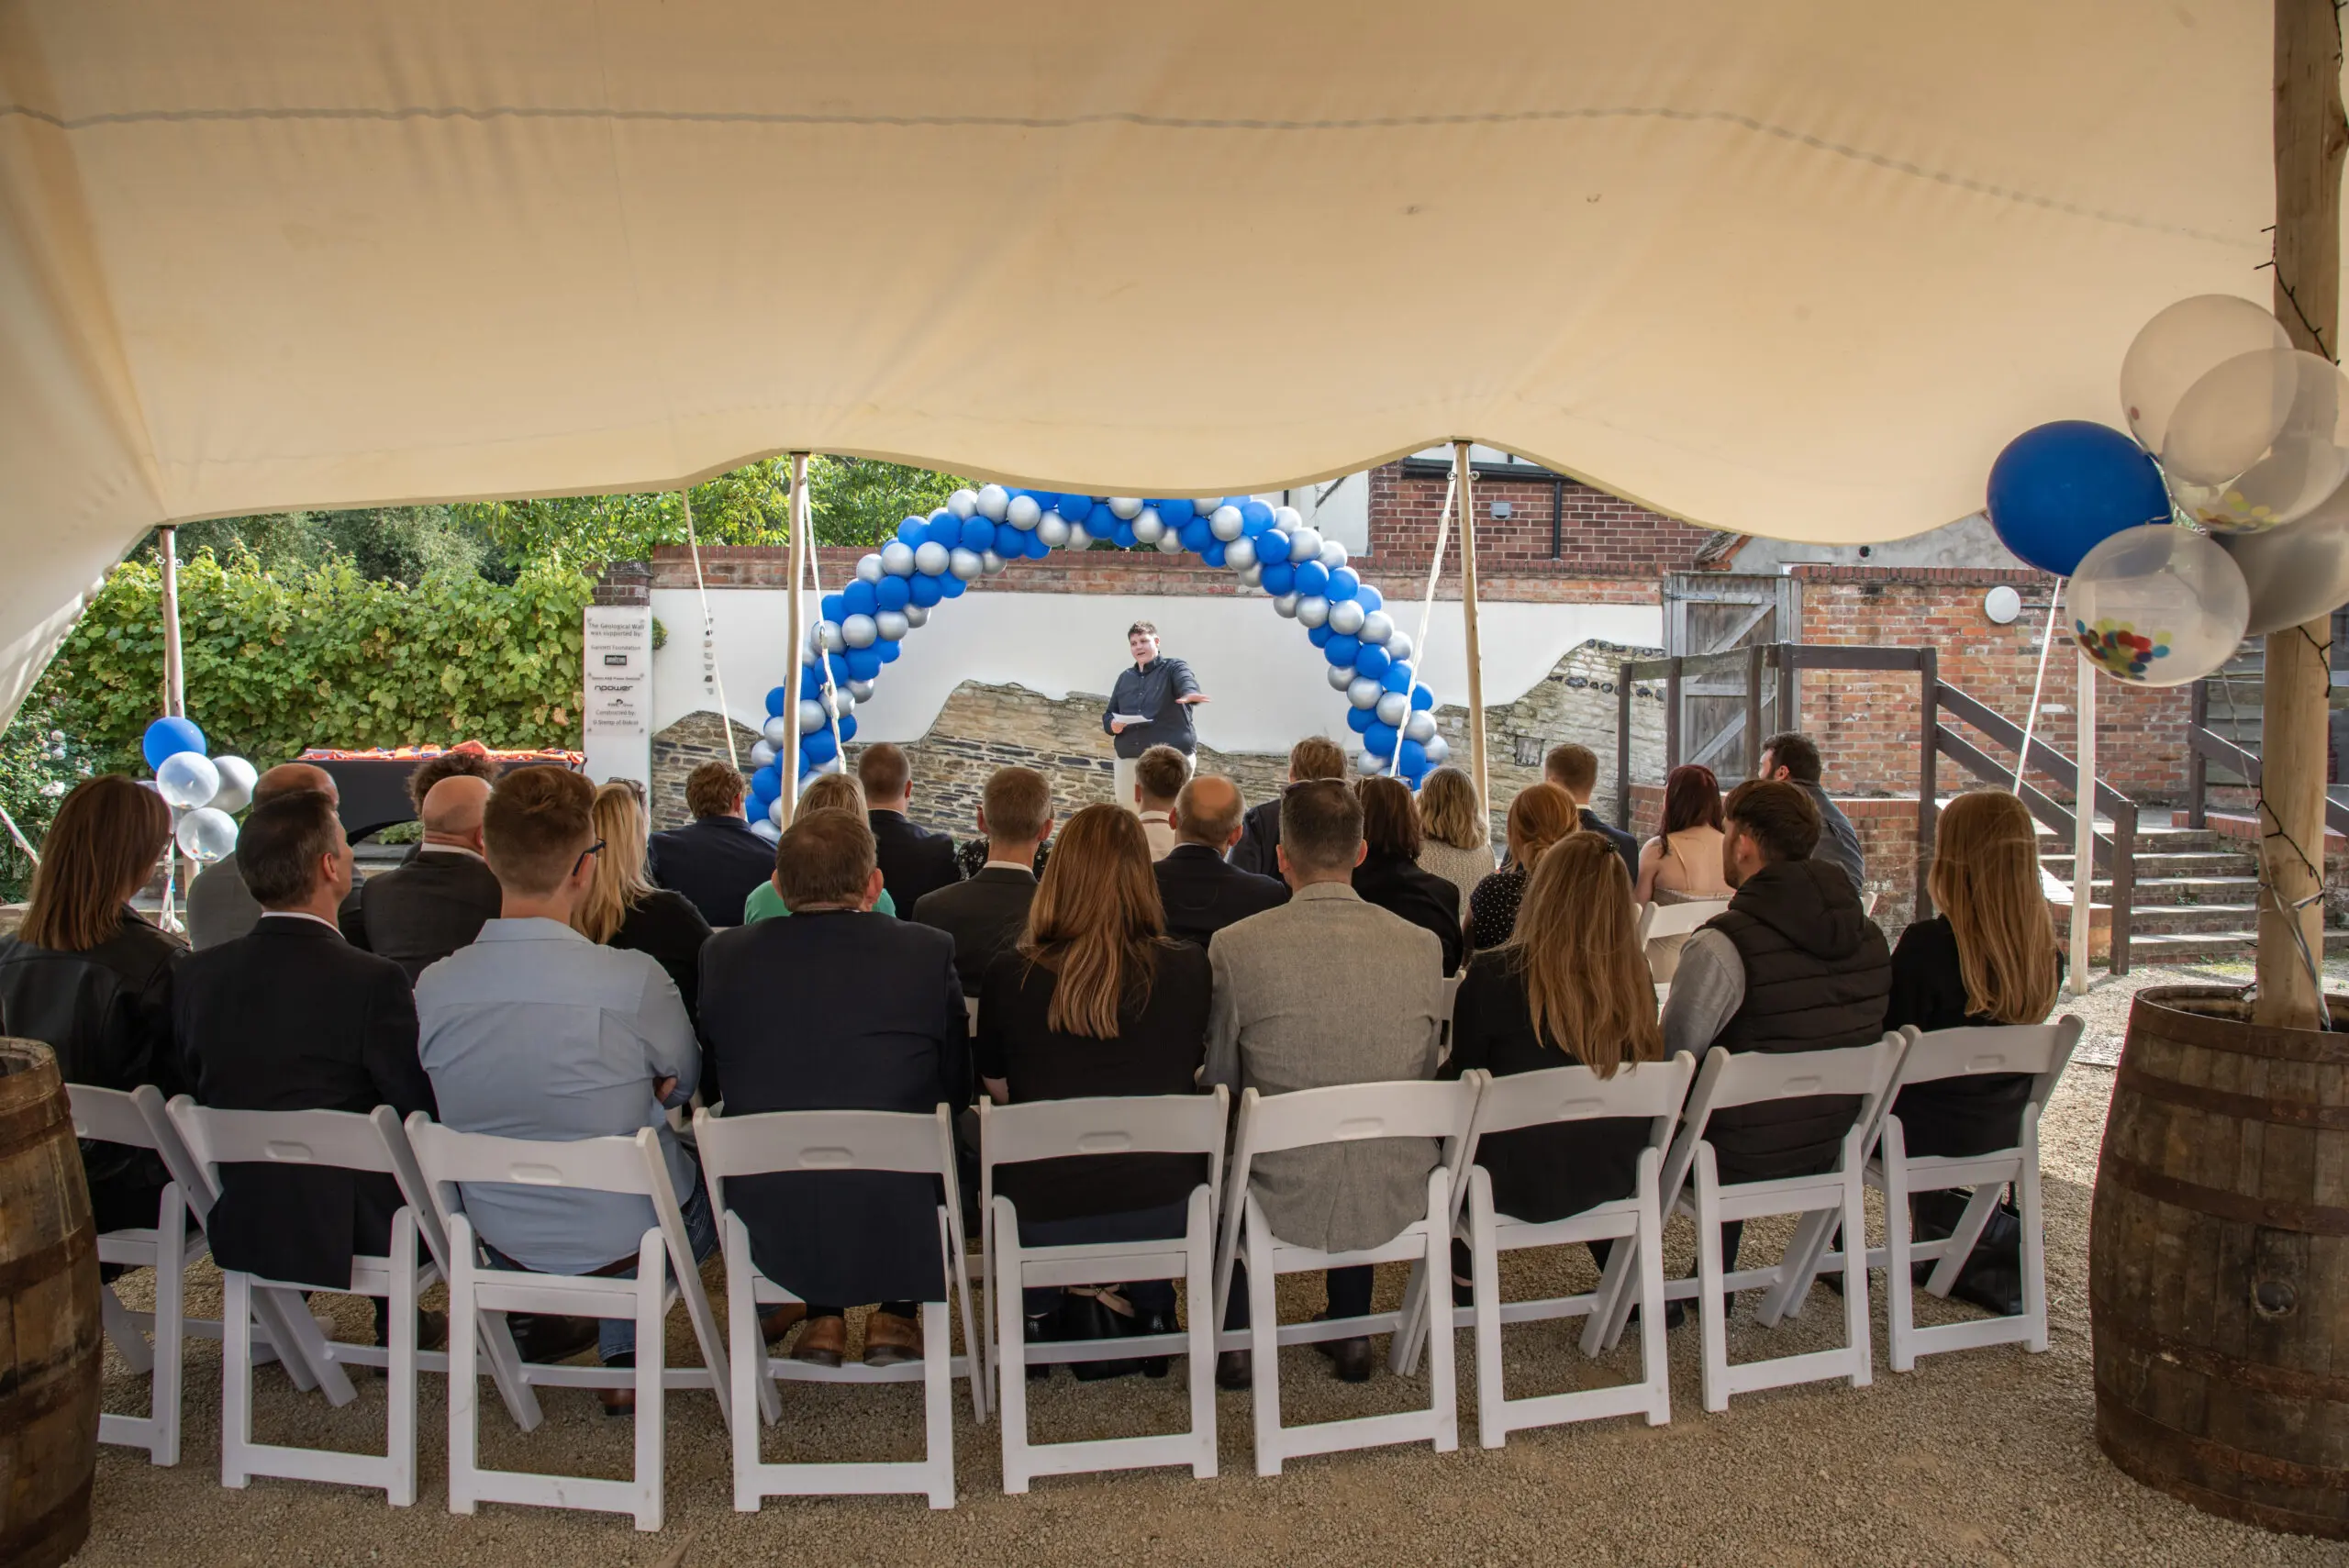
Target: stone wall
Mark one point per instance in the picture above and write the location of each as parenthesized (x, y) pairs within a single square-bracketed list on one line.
[(1576, 701), (677, 750)]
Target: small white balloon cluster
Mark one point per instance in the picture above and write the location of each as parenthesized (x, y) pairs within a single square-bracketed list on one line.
[(201, 789)]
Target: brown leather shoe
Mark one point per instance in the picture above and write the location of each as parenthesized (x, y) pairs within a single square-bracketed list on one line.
[(822, 1343), (890, 1340), (780, 1321)]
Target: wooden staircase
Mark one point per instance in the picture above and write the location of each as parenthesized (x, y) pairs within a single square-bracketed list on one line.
[(2197, 897)]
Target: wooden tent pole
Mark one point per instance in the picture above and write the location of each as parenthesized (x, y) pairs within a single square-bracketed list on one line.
[(1465, 483), (2310, 140), (797, 619)]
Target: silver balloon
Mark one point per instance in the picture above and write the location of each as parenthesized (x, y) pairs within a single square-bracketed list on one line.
[(1346, 617), (990, 563), (891, 624), (1226, 523), (1305, 544), (858, 631), (187, 780), (1333, 554), (1312, 612), (1124, 508), (915, 615), (861, 690), (868, 567), (1341, 677), (1079, 537), (1398, 647), (836, 700), (812, 717), (773, 817), (1419, 726), (1438, 750), (1240, 554), (962, 503), (1367, 765), (777, 730), (931, 558), (1052, 529), (964, 564), (2295, 574), (1170, 543), (1364, 691), (237, 780), (1394, 708), (1250, 574), (762, 752), (1285, 605), (1206, 506), (1377, 627), (206, 833), (1289, 520), (1149, 527), (1021, 512), (764, 828), (993, 501), (898, 558)]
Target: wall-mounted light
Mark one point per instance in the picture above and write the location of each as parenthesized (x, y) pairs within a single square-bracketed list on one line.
[(1503, 509), (2002, 604)]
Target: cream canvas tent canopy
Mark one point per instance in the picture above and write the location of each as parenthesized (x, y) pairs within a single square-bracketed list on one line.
[(1797, 270)]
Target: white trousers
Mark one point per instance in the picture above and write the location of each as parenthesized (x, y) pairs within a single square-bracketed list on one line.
[(1121, 781)]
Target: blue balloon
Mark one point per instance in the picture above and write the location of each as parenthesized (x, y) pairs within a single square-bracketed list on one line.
[(1379, 740), (1344, 584), (1369, 599), (767, 783), (2060, 490), (1413, 759), (858, 598), (1371, 660), (1361, 718), (888, 648), (1341, 651), (952, 587), (833, 607), (811, 686), (862, 664), (914, 530), (1422, 699), (1399, 674), (1320, 635), (1271, 549), (1197, 536), (167, 737), (1122, 536), (848, 727), (842, 673), (924, 591), (1279, 578), (1312, 579), (977, 533), (1100, 522), (816, 749), (1254, 517), (777, 699), (893, 594), (1007, 542), (1213, 552), (1033, 547), (946, 528)]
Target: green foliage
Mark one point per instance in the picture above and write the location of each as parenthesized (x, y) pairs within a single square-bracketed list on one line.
[(859, 501), (386, 544), (37, 764)]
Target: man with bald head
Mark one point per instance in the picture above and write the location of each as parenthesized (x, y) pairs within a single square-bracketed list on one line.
[(420, 913), (1202, 892), (220, 907)]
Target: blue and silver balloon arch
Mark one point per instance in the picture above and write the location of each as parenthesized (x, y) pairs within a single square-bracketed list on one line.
[(981, 532)]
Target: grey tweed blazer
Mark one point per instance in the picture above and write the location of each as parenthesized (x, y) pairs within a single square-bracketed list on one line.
[(1325, 990)]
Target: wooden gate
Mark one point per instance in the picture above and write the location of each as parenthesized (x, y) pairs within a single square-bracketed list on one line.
[(1713, 612)]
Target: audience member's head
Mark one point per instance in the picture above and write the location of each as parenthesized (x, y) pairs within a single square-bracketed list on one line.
[(1390, 819), (1159, 776), (452, 810), (1790, 754), (1986, 879), (833, 792), (886, 776), (1316, 757), (1096, 920), (1766, 821), (1692, 798), (1574, 769), (1320, 832), (539, 830), (292, 851), (287, 777), (712, 789), (1577, 944), (619, 882), (825, 861), (466, 761), (1539, 816), (1450, 812), (1016, 812), (1208, 810), (100, 849)]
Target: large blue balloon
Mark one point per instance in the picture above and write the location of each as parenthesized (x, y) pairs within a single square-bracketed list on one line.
[(1213, 552), (1341, 651), (892, 593), (1122, 534), (914, 530), (1344, 584), (1422, 699), (842, 673), (1279, 578), (1197, 536), (952, 586), (834, 607), (776, 699), (946, 528), (767, 783), (1379, 740), (2060, 490), (1312, 579), (1371, 660), (862, 664), (1010, 542), (1033, 547), (1361, 718), (1369, 599), (1413, 761), (858, 598), (888, 648), (1272, 546), (925, 591), (848, 726), (1254, 517), (1320, 635), (167, 738), (811, 686), (977, 533), (1398, 676), (1100, 522), (816, 749)]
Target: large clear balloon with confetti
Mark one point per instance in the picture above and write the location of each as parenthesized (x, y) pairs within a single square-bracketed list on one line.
[(2182, 345), (2158, 605), (2259, 440), (2297, 573), (187, 779), (206, 834)]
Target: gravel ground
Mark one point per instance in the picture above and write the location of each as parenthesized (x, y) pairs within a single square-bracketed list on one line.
[(1980, 1457)]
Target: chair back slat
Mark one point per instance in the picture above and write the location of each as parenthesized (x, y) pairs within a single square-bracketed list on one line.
[(342, 1141), (820, 1141), (1347, 1112), (1752, 1077), (2031, 1049), (1577, 1093), (1118, 1123), (606, 1165), (108, 1115), (1677, 920)]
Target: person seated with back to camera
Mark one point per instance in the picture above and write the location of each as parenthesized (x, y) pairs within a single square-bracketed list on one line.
[(1315, 757), (836, 1009), (1574, 769), (1389, 875), (429, 905), (1792, 757), (717, 860), (825, 792), (1097, 1000), (621, 908), (1160, 775), (915, 861), (1684, 860), (1200, 891), (986, 913), (1455, 836), (1539, 816), (220, 907), (1276, 1028)]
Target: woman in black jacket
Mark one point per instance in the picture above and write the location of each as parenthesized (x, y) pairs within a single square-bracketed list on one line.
[(91, 978), (1390, 875), (623, 910)]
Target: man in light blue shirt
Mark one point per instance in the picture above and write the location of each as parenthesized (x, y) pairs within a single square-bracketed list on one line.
[(534, 1031)]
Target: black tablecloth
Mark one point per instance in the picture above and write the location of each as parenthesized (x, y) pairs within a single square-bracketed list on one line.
[(374, 789)]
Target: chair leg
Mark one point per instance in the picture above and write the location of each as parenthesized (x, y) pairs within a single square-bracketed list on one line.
[(399, 1425), (1264, 1338), (1443, 1385), (938, 1398), (464, 1386), (171, 1329), (2034, 1241), (1855, 1270), (748, 1371), (1962, 1239), (122, 1328), (1713, 1300), (1604, 1328), (1484, 1284), (1010, 1359), (236, 1376), (1199, 1286), (1813, 1235), (1656, 1358), (650, 1408), (1410, 1332), (1899, 1244)]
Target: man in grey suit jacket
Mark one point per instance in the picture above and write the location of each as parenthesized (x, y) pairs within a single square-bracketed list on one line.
[(1278, 1025)]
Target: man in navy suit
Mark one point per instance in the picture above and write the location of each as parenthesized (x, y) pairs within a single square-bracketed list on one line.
[(718, 860), (1315, 757), (915, 861), (1202, 892), (1574, 769)]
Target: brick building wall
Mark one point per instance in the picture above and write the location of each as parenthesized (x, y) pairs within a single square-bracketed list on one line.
[(1598, 535)]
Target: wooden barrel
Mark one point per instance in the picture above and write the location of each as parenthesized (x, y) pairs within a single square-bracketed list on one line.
[(49, 1345), (2218, 1261)]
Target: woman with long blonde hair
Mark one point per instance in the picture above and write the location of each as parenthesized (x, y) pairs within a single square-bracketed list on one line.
[(623, 910), (1457, 842), (1096, 1000), (1539, 816), (824, 792)]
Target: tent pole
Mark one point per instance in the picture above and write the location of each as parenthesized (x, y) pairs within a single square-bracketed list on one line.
[(797, 621), (1465, 482), (2311, 141), (167, 548)]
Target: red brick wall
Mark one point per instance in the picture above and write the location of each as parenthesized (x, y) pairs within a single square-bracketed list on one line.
[(1603, 536), (1866, 725)]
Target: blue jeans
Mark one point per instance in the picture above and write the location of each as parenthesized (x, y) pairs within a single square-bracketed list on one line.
[(616, 1337)]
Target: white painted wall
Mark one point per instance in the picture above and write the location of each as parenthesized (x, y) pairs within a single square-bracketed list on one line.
[(1269, 684)]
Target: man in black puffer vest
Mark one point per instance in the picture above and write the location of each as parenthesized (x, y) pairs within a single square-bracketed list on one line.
[(1793, 965)]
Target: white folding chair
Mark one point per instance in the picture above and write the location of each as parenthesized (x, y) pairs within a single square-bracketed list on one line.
[(2041, 1050), (1655, 1090), (665, 1270), (839, 1140), (322, 1140), (1046, 1129), (1753, 1078), (1342, 1113), (1660, 920)]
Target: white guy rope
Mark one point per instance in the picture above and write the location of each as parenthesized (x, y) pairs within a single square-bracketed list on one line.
[(19, 834), (2030, 719), (823, 658), (710, 670)]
